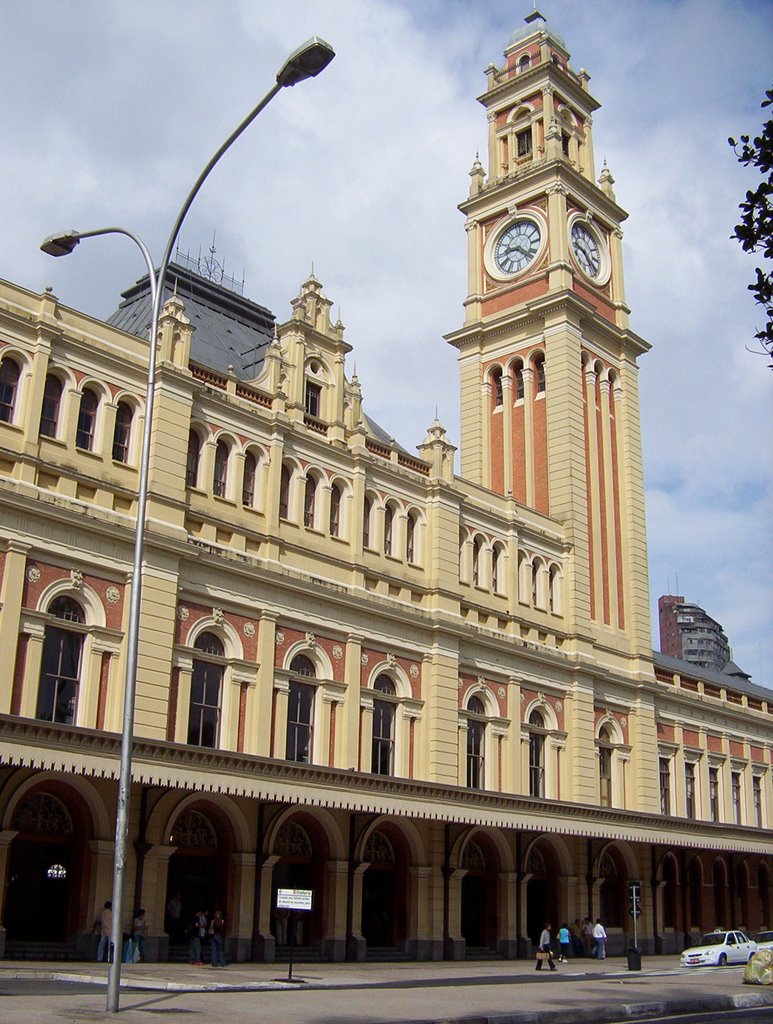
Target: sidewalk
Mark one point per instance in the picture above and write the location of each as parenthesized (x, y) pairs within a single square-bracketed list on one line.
[(405, 993)]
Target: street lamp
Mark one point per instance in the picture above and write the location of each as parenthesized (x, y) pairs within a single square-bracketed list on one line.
[(306, 62)]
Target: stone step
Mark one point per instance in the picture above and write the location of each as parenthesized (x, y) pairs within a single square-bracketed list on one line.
[(386, 954), (24, 950)]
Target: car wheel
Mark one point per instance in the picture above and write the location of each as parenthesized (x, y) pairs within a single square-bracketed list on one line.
[(750, 958), (722, 960)]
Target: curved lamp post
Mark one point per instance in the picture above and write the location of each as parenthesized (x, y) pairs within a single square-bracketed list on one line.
[(305, 62)]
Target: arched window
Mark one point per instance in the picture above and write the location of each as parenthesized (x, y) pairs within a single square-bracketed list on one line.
[(476, 546), (9, 384), (496, 553), (518, 375), (496, 386), (192, 460), (249, 477), (87, 420), (122, 432), (61, 663), (410, 538), (536, 754), (476, 740), (383, 746), (313, 400), (284, 493), (605, 767), (535, 583), (52, 400), (523, 62), (335, 510), (310, 501), (300, 711), (367, 508), (539, 373), (206, 686), (554, 589), (389, 520), (220, 475)]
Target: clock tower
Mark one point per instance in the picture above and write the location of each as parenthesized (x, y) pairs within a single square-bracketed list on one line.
[(549, 390)]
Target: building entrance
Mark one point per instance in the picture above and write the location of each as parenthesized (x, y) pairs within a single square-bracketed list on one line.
[(39, 894), (378, 907), (473, 910)]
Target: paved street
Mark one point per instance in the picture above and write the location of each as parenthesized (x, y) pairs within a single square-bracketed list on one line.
[(372, 993)]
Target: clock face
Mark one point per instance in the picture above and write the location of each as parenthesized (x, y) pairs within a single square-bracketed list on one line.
[(586, 250), (517, 246)]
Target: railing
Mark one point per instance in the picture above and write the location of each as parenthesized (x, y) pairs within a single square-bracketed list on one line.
[(253, 395), (215, 380), (314, 423)]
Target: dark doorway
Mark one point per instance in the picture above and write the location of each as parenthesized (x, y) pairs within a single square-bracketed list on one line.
[(537, 911), (378, 907), (40, 887), (474, 910), (194, 877)]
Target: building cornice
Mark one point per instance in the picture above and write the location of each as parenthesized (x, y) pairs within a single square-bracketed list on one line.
[(47, 747)]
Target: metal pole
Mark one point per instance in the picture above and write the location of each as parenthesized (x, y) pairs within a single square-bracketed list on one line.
[(292, 946), (157, 282), (305, 62)]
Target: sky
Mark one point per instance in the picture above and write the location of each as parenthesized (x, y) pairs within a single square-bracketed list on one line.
[(109, 110)]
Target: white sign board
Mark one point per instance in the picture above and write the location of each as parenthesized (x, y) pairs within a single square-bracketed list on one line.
[(293, 899)]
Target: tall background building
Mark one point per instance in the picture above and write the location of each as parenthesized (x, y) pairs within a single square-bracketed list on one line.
[(429, 698), (690, 633)]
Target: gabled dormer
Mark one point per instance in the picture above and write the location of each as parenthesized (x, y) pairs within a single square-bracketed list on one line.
[(314, 351)]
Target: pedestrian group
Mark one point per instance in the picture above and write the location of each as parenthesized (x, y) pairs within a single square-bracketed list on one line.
[(584, 939)]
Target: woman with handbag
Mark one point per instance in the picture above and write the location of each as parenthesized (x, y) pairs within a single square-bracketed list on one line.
[(544, 951)]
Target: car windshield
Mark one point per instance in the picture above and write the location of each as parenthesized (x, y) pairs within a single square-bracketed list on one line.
[(764, 937), (713, 939)]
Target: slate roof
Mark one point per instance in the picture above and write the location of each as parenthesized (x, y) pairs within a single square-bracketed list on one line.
[(230, 330), (731, 681)]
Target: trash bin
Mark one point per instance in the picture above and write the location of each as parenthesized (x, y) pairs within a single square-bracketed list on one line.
[(634, 959)]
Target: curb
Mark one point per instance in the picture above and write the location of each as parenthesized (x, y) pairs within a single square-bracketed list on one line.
[(624, 1011)]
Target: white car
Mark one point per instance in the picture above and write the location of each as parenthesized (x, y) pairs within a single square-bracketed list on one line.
[(764, 940), (719, 948)]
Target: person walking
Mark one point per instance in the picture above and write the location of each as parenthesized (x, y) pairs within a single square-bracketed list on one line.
[(587, 936), (217, 934), (197, 934), (600, 940), (104, 949), (544, 951), (139, 929), (564, 940), (577, 945)]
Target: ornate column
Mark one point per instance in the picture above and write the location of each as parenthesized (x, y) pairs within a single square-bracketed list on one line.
[(507, 940), (153, 897), (184, 666), (239, 940), (528, 431), (335, 939), (36, 631)]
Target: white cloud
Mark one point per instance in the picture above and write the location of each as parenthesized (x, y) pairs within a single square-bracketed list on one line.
[(110, 110)]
